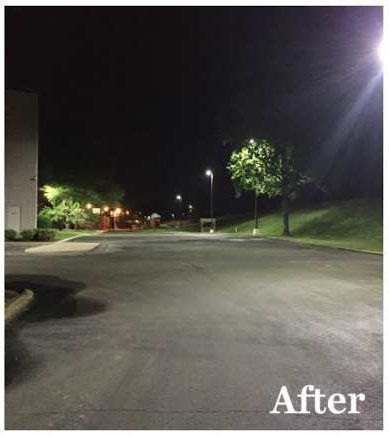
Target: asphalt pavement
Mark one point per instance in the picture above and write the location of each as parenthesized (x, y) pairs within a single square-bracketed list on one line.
[(189, 331)]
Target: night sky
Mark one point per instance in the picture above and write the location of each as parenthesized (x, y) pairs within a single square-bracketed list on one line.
[(149, 97)]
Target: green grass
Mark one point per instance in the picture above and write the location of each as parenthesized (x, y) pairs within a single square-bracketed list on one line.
[(355, 224), (63, 234)]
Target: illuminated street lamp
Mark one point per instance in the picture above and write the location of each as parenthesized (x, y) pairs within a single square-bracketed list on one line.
[(209, 173), (89, 206), (179, 199), (106, 209), (380, 51), (252, 141)]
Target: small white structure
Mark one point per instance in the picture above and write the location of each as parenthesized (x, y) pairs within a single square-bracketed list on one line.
[(207, 225), (21, 160), (155, 220)]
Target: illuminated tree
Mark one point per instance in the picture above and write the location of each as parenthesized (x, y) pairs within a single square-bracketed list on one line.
[(65, 212), (65, 203), (247, 169), (264, 168)]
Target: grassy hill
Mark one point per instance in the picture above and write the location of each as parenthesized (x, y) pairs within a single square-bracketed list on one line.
[(349, 224)]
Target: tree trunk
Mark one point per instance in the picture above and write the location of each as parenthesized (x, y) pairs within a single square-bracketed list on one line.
[(285, 216), (66, 225), (256, 211), (256, 217)]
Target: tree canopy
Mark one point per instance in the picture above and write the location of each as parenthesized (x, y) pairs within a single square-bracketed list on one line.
[(268, 169), (55, 193), (265, 168), (250, 169), (66, 204)]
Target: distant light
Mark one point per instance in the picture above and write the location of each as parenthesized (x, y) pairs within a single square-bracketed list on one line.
[(118, 211), (96, 210), (106, 209), (252, 141), (208, 173), (380, 51), (190, 207), (127, 212), (89, 206), (178, 197)]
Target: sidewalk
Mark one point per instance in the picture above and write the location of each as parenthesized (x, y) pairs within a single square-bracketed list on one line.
[(62, 247), (18, 248)]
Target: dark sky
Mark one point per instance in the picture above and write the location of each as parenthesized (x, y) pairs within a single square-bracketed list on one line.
[(152, 96)]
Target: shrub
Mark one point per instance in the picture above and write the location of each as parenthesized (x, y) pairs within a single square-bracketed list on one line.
[(45, 234), (92, 222), (10, 234), (28, 235), (44, 222)]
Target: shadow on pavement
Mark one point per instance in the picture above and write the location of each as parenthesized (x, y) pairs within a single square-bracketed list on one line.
[(69, 307), (54, 297), (19, 362)]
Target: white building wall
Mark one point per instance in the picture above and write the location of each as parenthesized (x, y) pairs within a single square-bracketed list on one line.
[(21, 160)]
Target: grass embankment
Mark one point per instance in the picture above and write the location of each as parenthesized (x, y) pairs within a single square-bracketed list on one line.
[(64, 234), (355, 224)]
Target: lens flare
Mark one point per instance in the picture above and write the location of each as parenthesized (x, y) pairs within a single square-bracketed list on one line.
[(380, 51)]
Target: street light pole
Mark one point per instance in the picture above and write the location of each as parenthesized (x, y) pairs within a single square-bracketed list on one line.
[(179, 199), (211, 201), (209, 173)]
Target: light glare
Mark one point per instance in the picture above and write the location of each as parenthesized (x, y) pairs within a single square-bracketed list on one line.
[(380, 51)]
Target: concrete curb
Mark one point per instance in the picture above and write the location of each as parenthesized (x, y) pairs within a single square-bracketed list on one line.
[(64, 248), (77, 236), (313, 244), (18, 305), (66, 239), (292, 241)]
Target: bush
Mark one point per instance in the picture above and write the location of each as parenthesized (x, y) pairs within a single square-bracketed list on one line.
[(45, 234), (10, 234), (92, 222), (28, 235), (44, 222)]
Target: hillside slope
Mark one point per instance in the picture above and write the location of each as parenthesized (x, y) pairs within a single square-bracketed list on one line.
[(349, 224)]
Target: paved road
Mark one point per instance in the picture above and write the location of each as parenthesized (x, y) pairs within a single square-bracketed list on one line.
[(180, 331)]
